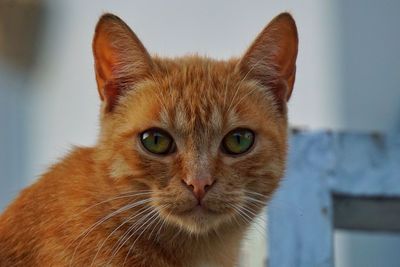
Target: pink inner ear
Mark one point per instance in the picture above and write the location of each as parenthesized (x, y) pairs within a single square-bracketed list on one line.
[(105, 59), (290, 84), (111, 92), (120, 58)]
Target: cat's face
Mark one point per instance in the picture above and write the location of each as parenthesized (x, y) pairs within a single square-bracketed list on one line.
[(207, 138)]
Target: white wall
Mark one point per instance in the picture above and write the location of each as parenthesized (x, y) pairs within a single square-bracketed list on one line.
[(369, 93), (366, 249), (369, 69)]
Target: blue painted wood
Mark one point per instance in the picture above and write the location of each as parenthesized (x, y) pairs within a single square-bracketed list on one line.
[(300, 225), (367, 164)]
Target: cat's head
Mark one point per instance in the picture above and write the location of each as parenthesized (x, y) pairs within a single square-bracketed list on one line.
[(203, 140)]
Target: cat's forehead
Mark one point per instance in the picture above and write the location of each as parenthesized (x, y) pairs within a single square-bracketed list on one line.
[(195, 120), (196, 95)]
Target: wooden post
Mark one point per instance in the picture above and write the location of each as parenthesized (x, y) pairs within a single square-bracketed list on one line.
[(323, 164)]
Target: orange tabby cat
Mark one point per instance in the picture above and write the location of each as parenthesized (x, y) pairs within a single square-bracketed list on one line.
[(190, 150)]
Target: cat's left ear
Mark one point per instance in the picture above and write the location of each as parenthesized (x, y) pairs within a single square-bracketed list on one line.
[(120, 58), (271, 59)]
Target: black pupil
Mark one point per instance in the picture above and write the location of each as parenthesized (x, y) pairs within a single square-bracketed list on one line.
[(156, 137), (238, 138)]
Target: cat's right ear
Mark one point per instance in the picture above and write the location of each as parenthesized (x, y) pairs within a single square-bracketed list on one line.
[(271, 59), (120, 59)]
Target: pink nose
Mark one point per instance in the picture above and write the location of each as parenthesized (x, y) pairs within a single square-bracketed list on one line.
[(199, 186)]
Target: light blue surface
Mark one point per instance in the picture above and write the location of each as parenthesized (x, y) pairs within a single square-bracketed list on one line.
[(320, 163)]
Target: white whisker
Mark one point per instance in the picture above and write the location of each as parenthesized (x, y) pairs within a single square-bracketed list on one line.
[(120, 196), (85, 233), (116, 229), (122, 240), (253, 200), (152, 219)]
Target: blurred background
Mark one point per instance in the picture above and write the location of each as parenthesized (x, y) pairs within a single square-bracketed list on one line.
[(348, 79)]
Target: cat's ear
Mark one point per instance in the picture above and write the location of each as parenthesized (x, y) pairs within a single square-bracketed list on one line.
[(271, 59), (120, 59)]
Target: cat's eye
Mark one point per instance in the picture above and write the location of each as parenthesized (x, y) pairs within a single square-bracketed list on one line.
[(157, 141), (238, 141)]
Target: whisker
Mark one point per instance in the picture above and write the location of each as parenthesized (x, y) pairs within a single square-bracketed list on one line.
[(254, 193), (152, 219), (158, 222), (85, 233), (247, 219), (243, 97), (241, 81), (233, 98), (255, 213), (253, 200), (235, 219), (251, 220), (176, 234), (116, 229), (250, 211), (162, 225), (239, 212), (119, 196), (226, 91), (122, 240), (149, 218)]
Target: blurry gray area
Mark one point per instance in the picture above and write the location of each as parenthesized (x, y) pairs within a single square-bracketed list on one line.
[(21, 22), (366, 249), (12, 160), (369, 213), (369, 40), (367, 231)]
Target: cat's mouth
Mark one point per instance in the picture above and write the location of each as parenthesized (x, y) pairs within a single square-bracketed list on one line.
[(197, 217), (199, 208), (202, 208)]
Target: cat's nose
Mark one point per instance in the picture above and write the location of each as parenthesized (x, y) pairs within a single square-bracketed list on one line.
[(199, 186)]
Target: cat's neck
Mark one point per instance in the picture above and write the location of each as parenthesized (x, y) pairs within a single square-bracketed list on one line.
[(220, 247), (182, 249)]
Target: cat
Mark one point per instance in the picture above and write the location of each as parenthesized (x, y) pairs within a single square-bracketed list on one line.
[(190, 150)]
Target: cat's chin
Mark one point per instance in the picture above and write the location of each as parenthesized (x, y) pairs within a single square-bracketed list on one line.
[(199, 220)]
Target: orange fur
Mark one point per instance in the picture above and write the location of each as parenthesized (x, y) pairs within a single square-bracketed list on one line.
[(58, 220)]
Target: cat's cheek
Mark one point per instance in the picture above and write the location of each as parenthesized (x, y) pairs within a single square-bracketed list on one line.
[(120, 168)]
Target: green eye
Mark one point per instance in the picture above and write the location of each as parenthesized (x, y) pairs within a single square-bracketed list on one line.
[(157, 141), (238, 141)]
